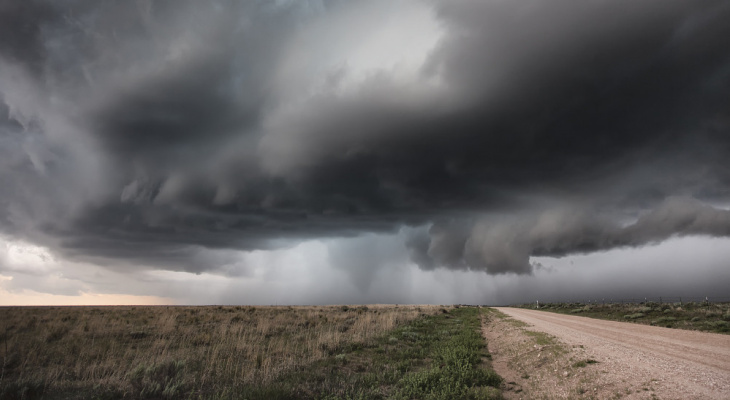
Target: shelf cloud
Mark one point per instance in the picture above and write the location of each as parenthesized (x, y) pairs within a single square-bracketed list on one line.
[(160, 135)]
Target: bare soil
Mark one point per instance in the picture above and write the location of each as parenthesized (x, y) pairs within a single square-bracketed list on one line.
[(554, 356)]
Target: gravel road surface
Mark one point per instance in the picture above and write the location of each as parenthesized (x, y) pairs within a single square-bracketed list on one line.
[(680, 364)]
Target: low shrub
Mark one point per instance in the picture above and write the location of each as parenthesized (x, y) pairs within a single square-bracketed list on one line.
[(718, 326), (664, 321), (584, 363)]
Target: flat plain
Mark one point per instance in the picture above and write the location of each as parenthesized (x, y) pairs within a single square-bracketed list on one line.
[(240, 352), (361, 352)]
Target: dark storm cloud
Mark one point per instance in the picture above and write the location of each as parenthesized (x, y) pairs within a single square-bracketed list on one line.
[(20, 31), (150, 132), (499, 247)]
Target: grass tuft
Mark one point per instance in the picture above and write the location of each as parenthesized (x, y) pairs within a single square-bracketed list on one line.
[(584, 363)]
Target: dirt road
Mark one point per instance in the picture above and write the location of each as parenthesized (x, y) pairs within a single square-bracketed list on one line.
[(666, 363)]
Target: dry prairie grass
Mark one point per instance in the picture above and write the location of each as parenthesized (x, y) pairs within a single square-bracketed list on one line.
[(132, 352)]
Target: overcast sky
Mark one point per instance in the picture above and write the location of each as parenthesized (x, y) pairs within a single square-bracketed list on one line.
[(379, 151)]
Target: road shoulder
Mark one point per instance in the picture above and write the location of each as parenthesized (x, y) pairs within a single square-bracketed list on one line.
[(633, 361), (536, 365)]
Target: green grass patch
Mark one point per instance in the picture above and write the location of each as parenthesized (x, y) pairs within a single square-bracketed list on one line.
[(542, 339), (517, 323), (433, 358)]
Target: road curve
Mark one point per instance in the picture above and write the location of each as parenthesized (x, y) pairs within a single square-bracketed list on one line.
[(689, 364)]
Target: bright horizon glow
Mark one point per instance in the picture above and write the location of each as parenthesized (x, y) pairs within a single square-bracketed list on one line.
[(32, 298), (283, 276)]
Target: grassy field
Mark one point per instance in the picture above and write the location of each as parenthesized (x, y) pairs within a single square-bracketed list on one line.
[(332, 352), (709, 317)]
